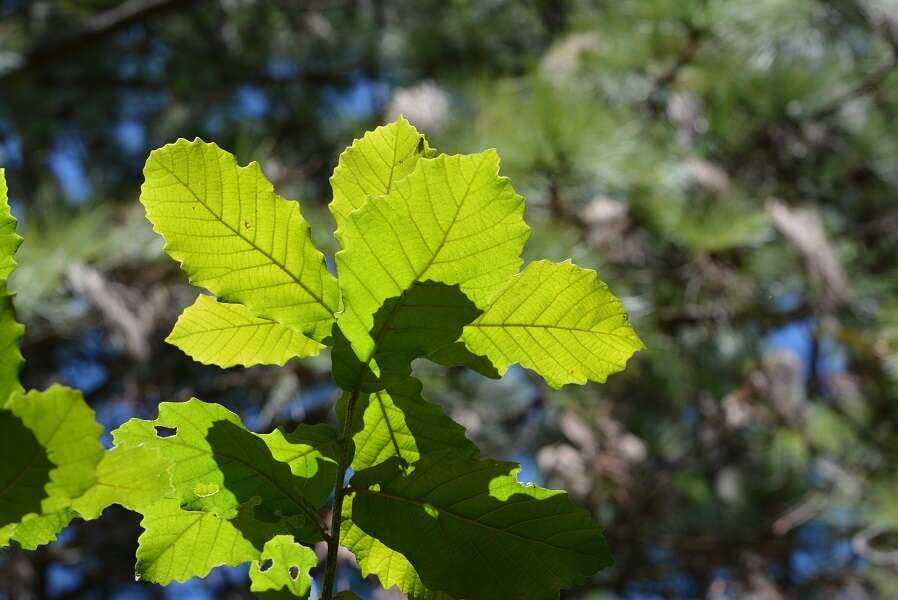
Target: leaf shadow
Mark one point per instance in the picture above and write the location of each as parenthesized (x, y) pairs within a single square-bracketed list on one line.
[(268, 494), (23, 480)]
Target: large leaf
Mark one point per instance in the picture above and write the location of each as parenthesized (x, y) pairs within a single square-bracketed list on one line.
[(283, 569), (453, 220), (217, 464), (458, 515), (235, 237), (558, 320), (131, 477), (371, 165), (178, 544), (218, 333)]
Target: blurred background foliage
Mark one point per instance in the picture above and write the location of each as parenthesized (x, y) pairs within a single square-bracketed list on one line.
[(730, 167)]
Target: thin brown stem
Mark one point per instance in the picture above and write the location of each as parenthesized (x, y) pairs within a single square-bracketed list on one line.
[(333, 541)]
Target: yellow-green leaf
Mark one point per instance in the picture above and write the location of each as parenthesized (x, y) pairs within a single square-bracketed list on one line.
[(283, 569), (218, 333), (371, 165), (236, 237), (558, 320), (453, 220)]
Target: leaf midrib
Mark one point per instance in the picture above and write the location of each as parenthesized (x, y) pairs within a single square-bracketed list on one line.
[(319, 299)]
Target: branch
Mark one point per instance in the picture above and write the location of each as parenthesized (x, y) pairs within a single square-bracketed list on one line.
[(96, 28)]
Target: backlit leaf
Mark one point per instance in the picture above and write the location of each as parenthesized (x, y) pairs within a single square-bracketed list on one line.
[(235, 237), (217, 464), (471, 530), (218, 333), (558, 320), (132, 477), (178, 544), (453, 220), (371, 165), (283, 569)]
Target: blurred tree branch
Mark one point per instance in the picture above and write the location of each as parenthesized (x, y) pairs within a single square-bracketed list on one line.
[(97, 27)]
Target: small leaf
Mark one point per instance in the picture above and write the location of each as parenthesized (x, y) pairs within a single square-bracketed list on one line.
[(558, 320), (218, 333), (235, 237), (211, 446), (287, 569), (452, 516), (371, 165), (177, 544), (453, 220), (131, 477)]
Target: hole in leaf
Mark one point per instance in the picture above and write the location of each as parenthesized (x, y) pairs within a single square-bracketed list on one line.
[(165, 432), (266, 564), (294, 572)]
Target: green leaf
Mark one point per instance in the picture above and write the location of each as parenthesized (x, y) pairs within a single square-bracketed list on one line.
[(217, 333), (133, 477), (178, 544), (10, 331), (376, 558), (56, 438), (283, 569), (235, 237), (558, 320), (11, 359), (217, 464), (456, 515), (9, 239), (453, 220), (66, 427), (371, 165), (399, 422)]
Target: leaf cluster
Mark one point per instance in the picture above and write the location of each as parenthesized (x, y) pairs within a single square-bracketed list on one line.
[(429, 268)]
